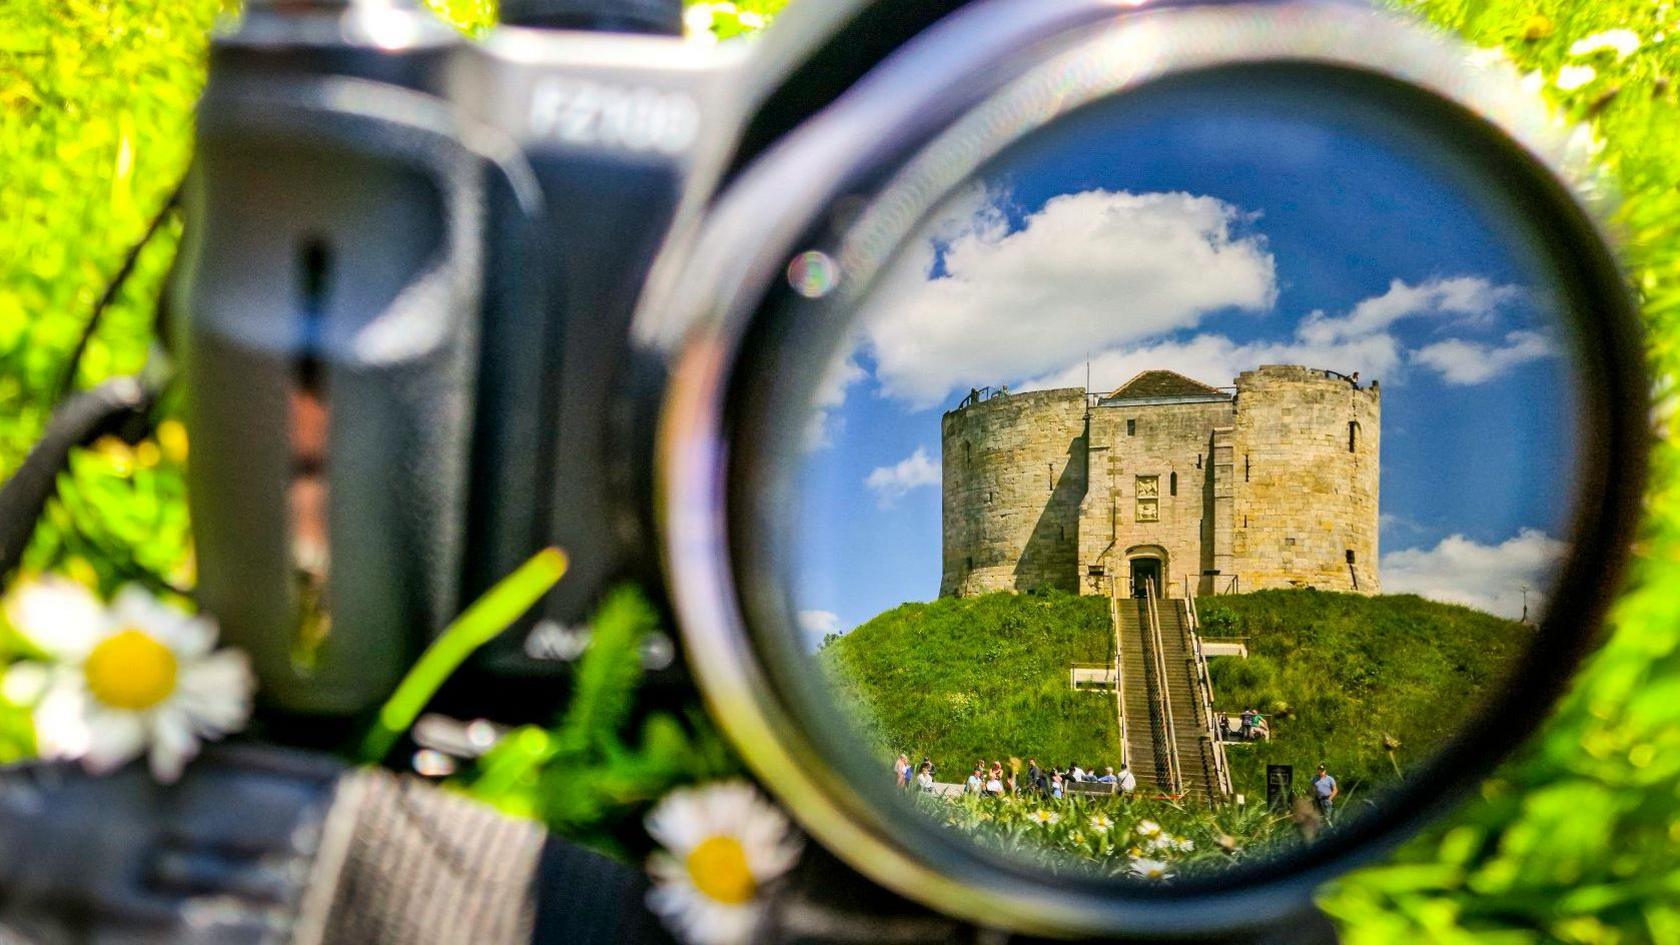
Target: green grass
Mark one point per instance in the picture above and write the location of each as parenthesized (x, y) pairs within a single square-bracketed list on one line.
[(982, 677), (987, 677), (1339, 672)]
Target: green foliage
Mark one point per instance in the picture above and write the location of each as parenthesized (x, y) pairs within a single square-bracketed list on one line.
[(1337, 673), (486, 619), (1110, 835), (96, 127), (961, 679), (1575, 840), (593, 773)]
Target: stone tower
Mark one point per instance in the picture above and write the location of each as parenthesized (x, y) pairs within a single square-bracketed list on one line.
[(1270, 483)]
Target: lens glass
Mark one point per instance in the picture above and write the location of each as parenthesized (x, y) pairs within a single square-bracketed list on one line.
[(1192, 474)]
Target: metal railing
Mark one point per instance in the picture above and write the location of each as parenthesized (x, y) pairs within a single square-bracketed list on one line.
[(1216, 740), (1158, 660), (1119, 676)]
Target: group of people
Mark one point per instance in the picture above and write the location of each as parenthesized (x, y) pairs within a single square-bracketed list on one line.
[(1251, 727), (996, 780)]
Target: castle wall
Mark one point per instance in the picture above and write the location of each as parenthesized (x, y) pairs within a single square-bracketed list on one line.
[(1041, 491), (1157, 442), (1302, 499), (1013, 475)]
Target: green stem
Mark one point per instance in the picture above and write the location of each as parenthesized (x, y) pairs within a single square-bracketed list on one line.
[(479, 624)]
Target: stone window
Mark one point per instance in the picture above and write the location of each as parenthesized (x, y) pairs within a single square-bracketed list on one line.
[(1148, 495), (1353, 436), (1172, 484), (1131, 428)]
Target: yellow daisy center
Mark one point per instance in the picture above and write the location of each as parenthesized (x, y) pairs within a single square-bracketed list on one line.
[(130, 670), (718, 868)]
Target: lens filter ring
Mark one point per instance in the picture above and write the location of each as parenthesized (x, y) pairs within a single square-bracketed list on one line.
[(836, 205)]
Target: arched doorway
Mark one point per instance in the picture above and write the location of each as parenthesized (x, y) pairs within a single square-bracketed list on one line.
[(1148, 563)]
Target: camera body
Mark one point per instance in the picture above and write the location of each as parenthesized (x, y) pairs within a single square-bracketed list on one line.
[(405, 325)]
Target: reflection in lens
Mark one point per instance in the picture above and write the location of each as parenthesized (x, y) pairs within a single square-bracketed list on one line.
[(1194, 473)]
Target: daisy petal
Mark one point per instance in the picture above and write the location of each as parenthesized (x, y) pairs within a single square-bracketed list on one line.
[(215, 692), (114, 739), (185, 635), (58, 615), (25, 683), (173, 744)]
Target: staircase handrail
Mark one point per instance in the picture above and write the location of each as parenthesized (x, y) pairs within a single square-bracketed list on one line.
[(1119, 676), (1152, 621), (1221, 770)]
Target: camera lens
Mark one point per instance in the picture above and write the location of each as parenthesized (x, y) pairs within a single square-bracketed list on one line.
[(1209, 435), (1172, 476)]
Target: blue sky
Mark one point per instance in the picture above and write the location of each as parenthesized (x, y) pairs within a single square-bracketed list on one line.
[(1208, 233)]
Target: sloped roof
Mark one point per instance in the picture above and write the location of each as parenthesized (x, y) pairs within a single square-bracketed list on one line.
[(1161, 384)]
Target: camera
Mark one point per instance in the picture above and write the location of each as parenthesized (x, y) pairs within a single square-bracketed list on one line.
[(697, 316)]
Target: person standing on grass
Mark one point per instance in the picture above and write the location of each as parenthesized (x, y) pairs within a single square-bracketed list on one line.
[(924, 778), (976, 782), (1128, 780), (1035, 777), (901, 771), (1324, 790)]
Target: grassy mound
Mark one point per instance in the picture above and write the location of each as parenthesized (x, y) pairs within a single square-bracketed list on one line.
[(987, 677), (1338, 672), (961, 679)]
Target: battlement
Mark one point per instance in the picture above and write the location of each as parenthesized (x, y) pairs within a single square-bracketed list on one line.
[(1277, 375)]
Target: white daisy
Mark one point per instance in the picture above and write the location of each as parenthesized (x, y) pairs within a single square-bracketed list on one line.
[(1147, 828), (1149, 869), (1101, 823), (1570, 78), (1044, 817), (723, 842), (1622, 42), (136, 677)]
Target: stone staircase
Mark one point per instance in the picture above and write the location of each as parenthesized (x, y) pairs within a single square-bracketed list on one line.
[(1148, 735)]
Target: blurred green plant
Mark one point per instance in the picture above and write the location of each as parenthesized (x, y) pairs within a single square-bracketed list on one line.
[(592, 774)]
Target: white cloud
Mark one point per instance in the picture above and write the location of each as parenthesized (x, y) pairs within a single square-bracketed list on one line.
[(1360, 341), (1089, 271), (1462, 362), (1460, 298), (890, 483), (818, 624), (1487, 577), (1215, 360), (1109, 276), (831, 393)]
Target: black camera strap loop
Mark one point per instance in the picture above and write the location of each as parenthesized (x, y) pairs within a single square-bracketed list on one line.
[(121, 407)]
